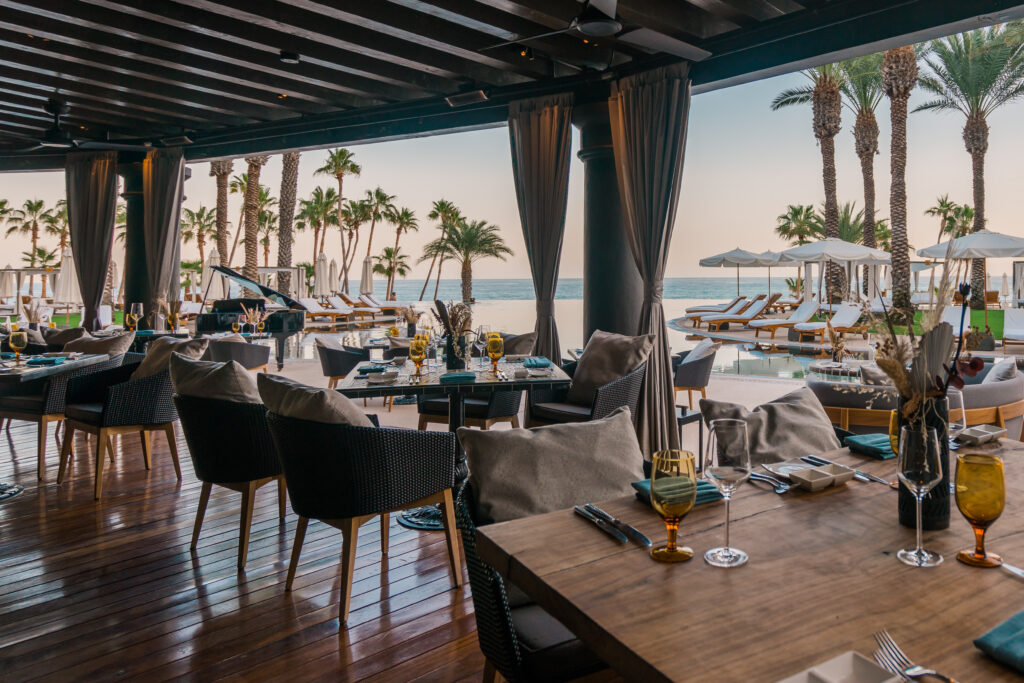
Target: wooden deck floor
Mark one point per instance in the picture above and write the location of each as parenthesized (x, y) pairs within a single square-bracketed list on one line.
[(109, 590)]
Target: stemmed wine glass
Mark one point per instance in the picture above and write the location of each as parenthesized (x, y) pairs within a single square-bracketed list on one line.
[(495, 351), (980, 497), (236, 324), (418, 352), (18, 341), (919, 470), (727, 466), (133, 315), (673, 494)]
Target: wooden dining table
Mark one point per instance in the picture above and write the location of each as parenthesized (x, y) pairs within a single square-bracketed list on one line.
[(821, 579), (16, 373)]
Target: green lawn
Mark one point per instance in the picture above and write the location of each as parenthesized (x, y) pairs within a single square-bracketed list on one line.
[(75, 319), (995, 323)]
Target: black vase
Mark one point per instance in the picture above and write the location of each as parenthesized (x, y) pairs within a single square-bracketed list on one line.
[(936, 505), (453, 361), (411, 332)]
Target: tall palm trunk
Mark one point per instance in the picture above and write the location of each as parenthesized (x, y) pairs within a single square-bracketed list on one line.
[(286, 218), (201, 244), (221, 170), (252, 195), (43, 277), (467, 280), (865, 135), (899, 75), (827, 106), (35, 245), (266, 253), (316, 241), (976, 142), (341, 234), (391, 275), (430, 272)]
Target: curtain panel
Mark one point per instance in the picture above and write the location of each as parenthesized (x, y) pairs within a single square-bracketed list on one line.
[(163, 177), (540, 132), (91, 187), (648, 113)]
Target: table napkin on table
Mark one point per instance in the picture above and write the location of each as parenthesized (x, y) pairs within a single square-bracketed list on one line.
[(875, 445), (46, 361), (706, 491), (536, 362), (457, 377), (143, 332), (372, 368), (6, 355), (1005, 643)]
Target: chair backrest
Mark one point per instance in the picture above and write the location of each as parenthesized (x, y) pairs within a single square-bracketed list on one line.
[(366, 299), (1013, 318), (339, 305), (227, 441), (755, 309), (349, 300), (312, 305), (737, 306), (804, 312), (951, 315), (846, 315), (625, 391), (337, 362), (248, 355), (106, 315), (55, 386)]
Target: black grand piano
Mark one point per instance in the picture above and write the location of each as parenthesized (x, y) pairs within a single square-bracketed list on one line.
[(280, 323)]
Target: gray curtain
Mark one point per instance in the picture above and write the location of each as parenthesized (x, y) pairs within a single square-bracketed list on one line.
[(163, 177), (648, 114), (91, 187), (541, 134)]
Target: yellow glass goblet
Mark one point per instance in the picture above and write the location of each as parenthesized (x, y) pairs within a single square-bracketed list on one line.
[(673, 493), (417, 353), (495, 351), (980, 497), (18, 341)]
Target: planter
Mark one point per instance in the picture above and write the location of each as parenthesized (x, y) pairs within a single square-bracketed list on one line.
[(454, 361), (411, 332), (936, 505)]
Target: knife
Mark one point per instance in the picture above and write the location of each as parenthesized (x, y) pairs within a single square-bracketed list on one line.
[(1015, 571), (857, 474), (602, 525), (628, 530)]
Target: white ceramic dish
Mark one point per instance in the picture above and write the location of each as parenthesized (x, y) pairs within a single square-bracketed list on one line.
[(784, 468), (849, 667), (381, 377), (540, 372), (818, 478), (980, 434)]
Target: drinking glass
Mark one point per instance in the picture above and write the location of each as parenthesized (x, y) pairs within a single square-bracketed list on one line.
[(135, 311), (919, 469), (956, 406), (260, 326), (417, 352), (18, 341), (727, 466), (236, 324), (894, 432), (495, 350), (673, 493), (980, 497)]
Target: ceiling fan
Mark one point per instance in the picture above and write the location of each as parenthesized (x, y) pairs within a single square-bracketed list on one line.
[(597, 20), (56, 138)]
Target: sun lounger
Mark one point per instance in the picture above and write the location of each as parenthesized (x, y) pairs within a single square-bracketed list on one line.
[(341, 303), (802, 314), (951, 315), (844, 320), (360, 307), (754, 311), (786, 303), (371, 300), (736, 309), (877, 307), (715, 308), (314, 310), (1013, 327)]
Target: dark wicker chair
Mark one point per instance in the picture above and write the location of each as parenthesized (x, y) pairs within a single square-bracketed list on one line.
[(345, 475), (230, 446), (693, 376), (337, 363), (483, 410), (249, 356), (549, 406), (519, 639), (110, 402), (43, 402)]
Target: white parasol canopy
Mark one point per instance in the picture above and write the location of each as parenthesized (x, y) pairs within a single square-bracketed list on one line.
[(740, 258), (8, 288), (834, 249), (213, 284), (332, 276), (321, 285), (67, 291), (1004, 288), (366, 279), (981, 244)]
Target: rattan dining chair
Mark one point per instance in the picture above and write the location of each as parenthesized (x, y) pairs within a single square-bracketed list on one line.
[(549, 406)]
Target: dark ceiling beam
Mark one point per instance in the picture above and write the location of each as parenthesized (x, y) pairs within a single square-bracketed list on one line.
[(41, 93), (84, 127), (743, 13), (33, 161), (33, 103)]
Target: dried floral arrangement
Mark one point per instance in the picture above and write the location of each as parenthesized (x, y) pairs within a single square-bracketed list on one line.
[(253, 316), (34, 311), (411, 315), (456, 319)]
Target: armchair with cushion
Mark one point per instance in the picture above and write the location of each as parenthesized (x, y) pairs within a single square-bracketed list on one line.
[(552, 406), (483, 410), (249, 356), (692, 369), (336, 361)]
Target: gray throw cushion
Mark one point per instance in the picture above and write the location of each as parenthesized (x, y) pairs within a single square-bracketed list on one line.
[(158, 354), (224, 381), (34, 336), (112, 345), (1001, 371), (516, 344), (293, 399), (521, 472), (875, 376), (703, 349), (607, 357), (56, 337), (791, 426)]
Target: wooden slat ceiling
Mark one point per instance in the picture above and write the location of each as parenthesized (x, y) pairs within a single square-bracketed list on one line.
[(134, 72)]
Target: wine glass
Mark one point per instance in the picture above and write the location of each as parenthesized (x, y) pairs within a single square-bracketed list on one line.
[(894, 431), (727, 466), (495, 350), (18, 341), (135, 311), (236, 324), (919, 470), (418, 352), (980, 497), (260, 326), (673, 493)]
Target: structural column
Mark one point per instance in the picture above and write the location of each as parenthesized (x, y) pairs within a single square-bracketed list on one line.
[(136, 280), (612, 288)]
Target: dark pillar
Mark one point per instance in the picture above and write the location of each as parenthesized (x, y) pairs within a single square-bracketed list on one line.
[(136, 282), (612, 289)]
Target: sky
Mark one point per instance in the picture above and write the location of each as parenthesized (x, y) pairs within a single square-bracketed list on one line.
[(744, 164)]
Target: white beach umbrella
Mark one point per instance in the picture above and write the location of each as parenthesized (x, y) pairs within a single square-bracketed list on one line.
[(8, 288), (66, 291), (366, 279), (834, 249), (332, 276), (738, 258), (321, 286), (212, 283), (981, 244), (1004, 288)]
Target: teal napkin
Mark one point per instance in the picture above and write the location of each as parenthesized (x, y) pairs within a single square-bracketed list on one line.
[(1005, 643), (6, 355), (536, 362), (874, 445), (457, 377), (706, 491), (143, 332), (372, 368), (54, 360)]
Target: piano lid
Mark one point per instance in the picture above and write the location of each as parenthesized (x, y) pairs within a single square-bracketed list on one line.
[(272, 294)]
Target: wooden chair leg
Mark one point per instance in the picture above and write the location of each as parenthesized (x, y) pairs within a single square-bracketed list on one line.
[(703, 392), (332, 383), (300, 535), (385, 530), (689, 398), (101, 445), (146, 448), (422, 423), (204, 498), (451, 534), (282, 496), (172, 443), (65, 453), (41, 451), (490, 673), (110, 449), (350, 532), (248, 499)]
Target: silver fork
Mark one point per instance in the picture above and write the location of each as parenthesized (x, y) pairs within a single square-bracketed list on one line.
[(777, 485), (893, 659)]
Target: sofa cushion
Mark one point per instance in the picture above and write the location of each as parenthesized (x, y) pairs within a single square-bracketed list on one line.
[(874, 376), (521, 472), (89, 413), (559, 412), (112, 345), (790, 426), (34, 336), (56, 337), (703, 349), (293, 399), (24, 403), (517, 344), (204, 379), (158, 354), (607, 357), (1001, 371)]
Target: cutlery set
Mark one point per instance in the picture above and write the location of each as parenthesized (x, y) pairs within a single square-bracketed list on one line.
[(615, 528), (891, 658)]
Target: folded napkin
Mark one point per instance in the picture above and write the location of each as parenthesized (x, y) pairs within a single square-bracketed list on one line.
[(45, 361), (536, 362), (874, 445), (1005, 643), (706, 491), (372, 368), (6, 355), (457, 377), (143, 332)]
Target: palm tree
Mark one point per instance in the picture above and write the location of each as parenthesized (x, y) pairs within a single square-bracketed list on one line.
[(38, 257), (239, 185), (799, 225), (975, 73), (391, 263), (193, 274), (221, 170), (59, 226), (267, 227), (27, 220), (354, 213), (899, 75), (405, 221), (317, 212), (942, 210), (448, 214), (381, 206), (5, 210), (252, 209), (466, 242), (198, 225), (286, 218), (340, 163), (826, 104)]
